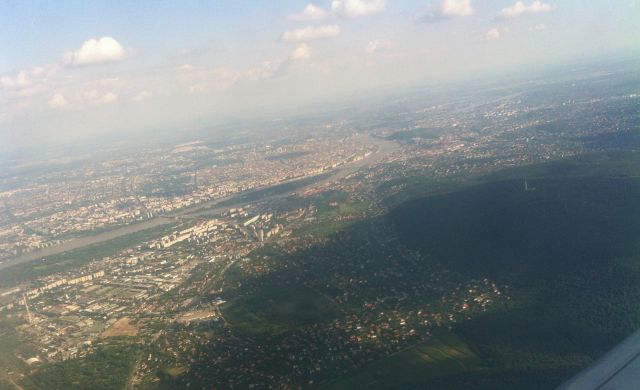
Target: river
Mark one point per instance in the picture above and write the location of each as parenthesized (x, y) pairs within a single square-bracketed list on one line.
[(209, 207)]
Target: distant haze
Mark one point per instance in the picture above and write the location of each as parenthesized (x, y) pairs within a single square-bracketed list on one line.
[(81, 70)]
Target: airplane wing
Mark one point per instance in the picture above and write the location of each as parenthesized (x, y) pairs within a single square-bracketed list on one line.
[(619, 369)]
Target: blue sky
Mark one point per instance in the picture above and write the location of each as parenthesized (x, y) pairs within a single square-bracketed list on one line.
[(81, 68)]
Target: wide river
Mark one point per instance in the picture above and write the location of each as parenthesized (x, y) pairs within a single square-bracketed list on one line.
[(384, 148)]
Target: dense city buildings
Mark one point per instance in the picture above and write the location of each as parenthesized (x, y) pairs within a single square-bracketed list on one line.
[(228, 265)]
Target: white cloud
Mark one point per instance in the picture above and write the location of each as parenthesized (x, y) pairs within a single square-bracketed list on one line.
[(91, 95), (454, 8), (345, 8), (310, 12), (266, 70), (27, 83), (38, 70), (140, 96), (203, 79), (538, 27), (222, 78), (96, 51), (378, 45), (492, 34), (520, 8), (108, 97), (310, 33), (19, 81), (357, 8), (495, 33), (57, 101), (301, 52), (448, 9), (186, 67)]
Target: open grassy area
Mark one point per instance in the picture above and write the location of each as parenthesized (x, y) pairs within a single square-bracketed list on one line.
[(122, 327), (11, 344), (443, 355), (276, 309), (335, 211), (109, 368), (175, 372)]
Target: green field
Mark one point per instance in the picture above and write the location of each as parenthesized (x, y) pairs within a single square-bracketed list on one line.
[(332, 207), (109, 368), (443, 355), (277, 309), (12, 344)]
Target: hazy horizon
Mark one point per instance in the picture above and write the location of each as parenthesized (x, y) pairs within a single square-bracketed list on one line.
[(76, 71)]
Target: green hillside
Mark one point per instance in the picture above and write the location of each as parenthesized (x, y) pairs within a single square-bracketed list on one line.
[(569, 254)]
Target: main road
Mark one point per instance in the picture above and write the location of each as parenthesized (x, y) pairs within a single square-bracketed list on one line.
[(384, 148)]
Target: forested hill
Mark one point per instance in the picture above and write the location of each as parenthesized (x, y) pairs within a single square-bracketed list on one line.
[(568, 248)]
